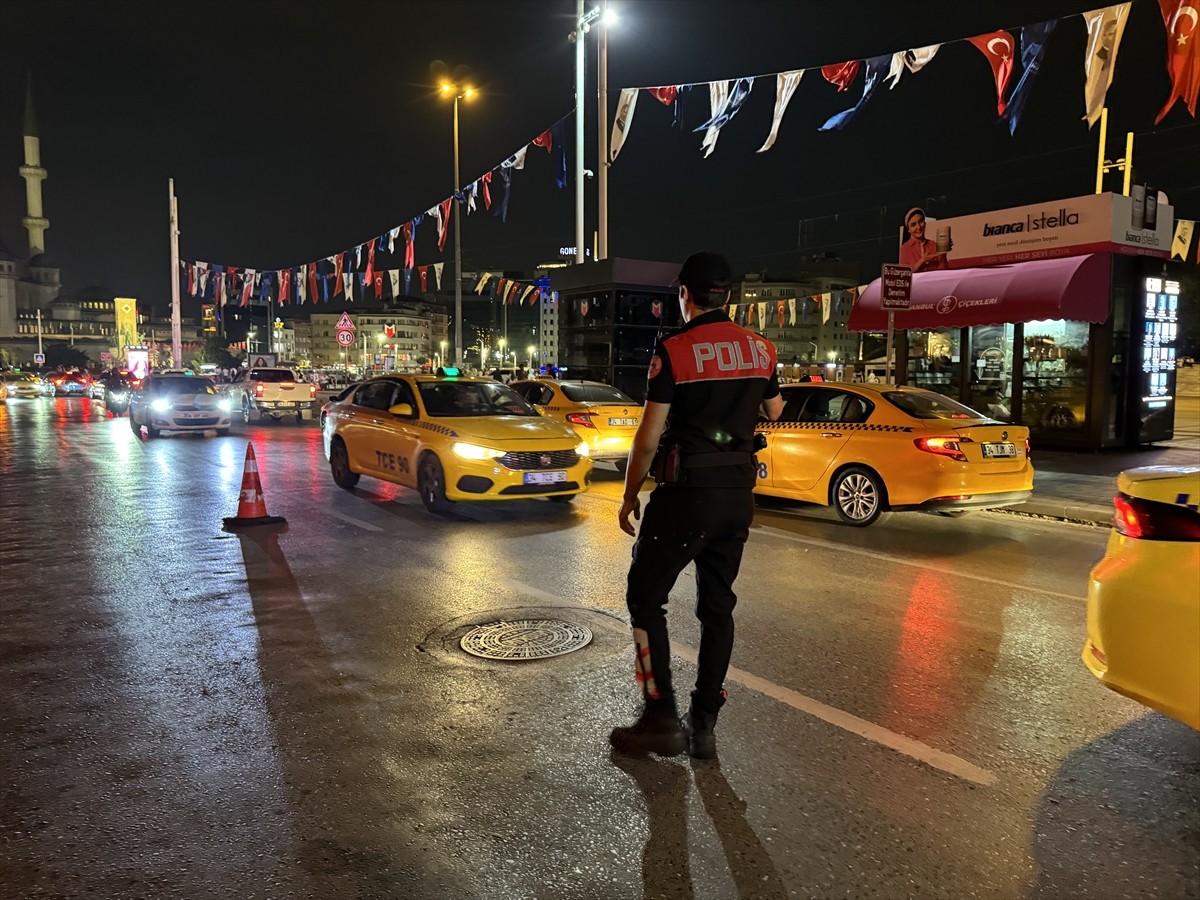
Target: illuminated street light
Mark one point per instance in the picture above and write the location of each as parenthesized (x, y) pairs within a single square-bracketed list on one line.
[(459, 92)]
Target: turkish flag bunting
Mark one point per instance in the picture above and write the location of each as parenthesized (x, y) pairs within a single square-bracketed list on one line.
[(664, 95), (423, 271), (312, 280), (486, 179), (377, 280), (998, 48), (545, 140), (409, 256), (1183, 59), (285, 285), (749, 314), (445, 223), (369, 275), (841, 74), (779, 307)]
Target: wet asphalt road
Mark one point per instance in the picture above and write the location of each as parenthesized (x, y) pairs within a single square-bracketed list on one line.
[(190, 713)]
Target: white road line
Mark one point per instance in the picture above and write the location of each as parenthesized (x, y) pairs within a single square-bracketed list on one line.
[(768, 531), (357, 523), (937, 759)]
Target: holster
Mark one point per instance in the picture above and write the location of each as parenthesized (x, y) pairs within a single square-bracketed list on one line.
[(667, 465)]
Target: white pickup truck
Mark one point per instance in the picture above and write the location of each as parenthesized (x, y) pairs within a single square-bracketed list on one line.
[(274, 393)]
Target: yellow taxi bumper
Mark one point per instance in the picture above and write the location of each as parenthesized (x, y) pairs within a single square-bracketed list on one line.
[(488, 480)]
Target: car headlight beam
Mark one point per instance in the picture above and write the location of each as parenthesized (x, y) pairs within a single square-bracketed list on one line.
[(474, 451), (162, 404), (225, 404), (583, 449)]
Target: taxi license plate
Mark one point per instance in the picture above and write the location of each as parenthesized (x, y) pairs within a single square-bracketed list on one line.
[(544, 477), (623, 422), (999, 451), (282, 403), (192, 415)]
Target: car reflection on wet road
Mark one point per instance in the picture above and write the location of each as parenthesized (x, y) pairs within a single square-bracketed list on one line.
[(196, 713)]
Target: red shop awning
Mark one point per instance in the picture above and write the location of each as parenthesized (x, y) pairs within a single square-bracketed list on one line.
[(1076, 288)]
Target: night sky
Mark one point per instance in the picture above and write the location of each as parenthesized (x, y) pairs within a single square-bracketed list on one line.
[(295, 130)]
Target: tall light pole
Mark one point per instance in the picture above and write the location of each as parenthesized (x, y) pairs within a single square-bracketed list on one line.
[(606, 19), (583, 24), (581, 28), (459, 92)]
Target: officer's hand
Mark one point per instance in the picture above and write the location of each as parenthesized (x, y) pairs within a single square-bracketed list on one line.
[(629, 506)]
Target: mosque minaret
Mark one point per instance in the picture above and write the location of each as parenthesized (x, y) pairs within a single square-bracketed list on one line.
[(35, 223)]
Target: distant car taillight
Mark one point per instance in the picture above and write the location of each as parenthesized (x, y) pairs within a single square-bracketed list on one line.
[(941, 446), (1028, 451), (1152, 521), (259, 390), (582, 419), (312, 390)]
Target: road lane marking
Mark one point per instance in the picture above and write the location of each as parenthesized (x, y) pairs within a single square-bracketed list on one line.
[(768, 531), (937, 759), (914, 749), (358, 523)]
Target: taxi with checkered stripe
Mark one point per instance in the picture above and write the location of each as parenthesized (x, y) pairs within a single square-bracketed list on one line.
[(603, 416), (452, 439), (1143, 609), (865, 449)]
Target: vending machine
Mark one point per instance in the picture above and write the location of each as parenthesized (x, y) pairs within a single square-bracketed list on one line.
[(1159, 330)]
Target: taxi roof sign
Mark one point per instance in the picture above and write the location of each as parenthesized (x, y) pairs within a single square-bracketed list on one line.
[(345, 323)]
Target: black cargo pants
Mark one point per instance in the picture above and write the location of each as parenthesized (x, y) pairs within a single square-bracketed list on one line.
[(680, 525)]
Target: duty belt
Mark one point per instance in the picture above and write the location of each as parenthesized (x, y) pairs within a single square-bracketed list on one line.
[(715, 460)]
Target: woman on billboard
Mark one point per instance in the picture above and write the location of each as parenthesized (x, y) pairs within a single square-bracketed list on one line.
[(919, 253)]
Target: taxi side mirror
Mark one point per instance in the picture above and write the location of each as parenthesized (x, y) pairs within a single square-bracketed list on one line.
[(402, 409)]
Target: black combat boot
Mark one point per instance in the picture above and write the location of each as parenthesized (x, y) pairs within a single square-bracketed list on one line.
[(701, 739), (657, 730)]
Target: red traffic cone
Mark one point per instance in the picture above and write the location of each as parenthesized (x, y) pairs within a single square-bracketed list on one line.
[(251, 508)]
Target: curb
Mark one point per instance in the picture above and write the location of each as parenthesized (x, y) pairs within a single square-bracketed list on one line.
[(1085, 513)]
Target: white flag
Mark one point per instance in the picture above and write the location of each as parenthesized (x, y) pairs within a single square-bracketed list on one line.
[(718, 96), (437, 276), (762, 317), (472, 191), (792, 311), (517, 160), (622, 121), (302, 284), (785, 86), (1183, 238), (348, 283), (436, 214), (919, 58), (826, 305), (358, 256), (394, 278), (1105, 27), (392, 235)]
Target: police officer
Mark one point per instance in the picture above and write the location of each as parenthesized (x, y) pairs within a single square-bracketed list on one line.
[(708, 384)]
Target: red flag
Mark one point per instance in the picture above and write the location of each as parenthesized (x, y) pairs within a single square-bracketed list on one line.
[(409, 256), (337, 274), (535, 296), (512, 292), (485, 179), (664, 95), (285, 285), (779, 312), (423, 271), (545, 140), (312, 281), (841, 74), (445, 221), (369, 275), (247, 286), (998, 46), (191, 273), (749, 314), (1183, 59), (377, 280)]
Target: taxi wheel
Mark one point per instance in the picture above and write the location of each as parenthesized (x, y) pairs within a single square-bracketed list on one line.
[(858, 496), (134, 426), (339, 465), (246, 414), (151, 431), (431, 484)]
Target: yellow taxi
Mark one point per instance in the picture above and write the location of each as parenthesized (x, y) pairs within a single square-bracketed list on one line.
[(1143, 611), (867, 448), (451, 438), (603, 416)]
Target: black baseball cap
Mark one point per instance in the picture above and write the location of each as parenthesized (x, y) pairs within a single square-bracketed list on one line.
[(705, 273)]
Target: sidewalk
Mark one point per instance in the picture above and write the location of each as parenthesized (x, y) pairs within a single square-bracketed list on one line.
[(1079, 486)]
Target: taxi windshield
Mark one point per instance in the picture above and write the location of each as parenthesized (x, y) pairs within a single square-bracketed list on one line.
[(595, 393), (472, 398), (928, 405), (182, 385)]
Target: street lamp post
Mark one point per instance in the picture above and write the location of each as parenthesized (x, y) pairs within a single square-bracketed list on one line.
[(460, 92), (531, 349), (583, 24)]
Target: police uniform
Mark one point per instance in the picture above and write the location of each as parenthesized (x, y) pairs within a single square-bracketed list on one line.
[(714, 374)]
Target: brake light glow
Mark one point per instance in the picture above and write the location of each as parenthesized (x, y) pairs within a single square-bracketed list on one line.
[(259, 390), (583, 419), (312, 390), (1148, 520), (941, 446)]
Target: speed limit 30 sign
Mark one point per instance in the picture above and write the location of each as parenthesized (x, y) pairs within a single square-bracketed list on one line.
[(345, 338)]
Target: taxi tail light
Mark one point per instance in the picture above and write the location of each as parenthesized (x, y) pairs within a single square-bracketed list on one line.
[(312, 390), (1152, 521), (583, 419), (1028, 450), (941, 446)]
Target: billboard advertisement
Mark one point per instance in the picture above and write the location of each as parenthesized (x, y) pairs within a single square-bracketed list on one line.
[(1096, 223)]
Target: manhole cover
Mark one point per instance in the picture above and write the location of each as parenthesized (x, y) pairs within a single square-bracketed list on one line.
[(524, 639)]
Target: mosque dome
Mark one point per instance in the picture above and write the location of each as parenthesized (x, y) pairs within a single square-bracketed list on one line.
[(42, 261)]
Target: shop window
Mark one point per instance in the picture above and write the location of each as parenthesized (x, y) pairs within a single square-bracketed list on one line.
[(990, 370), (1055, 368), (933, 361)]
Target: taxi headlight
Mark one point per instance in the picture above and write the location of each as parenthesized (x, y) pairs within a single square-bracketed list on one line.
[(225, 404), (474, 451), (583, 449), (162, 404)]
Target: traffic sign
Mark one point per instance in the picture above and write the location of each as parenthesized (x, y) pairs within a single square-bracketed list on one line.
[(39, 359), (345, 323), (345, 338), (896, 287)]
